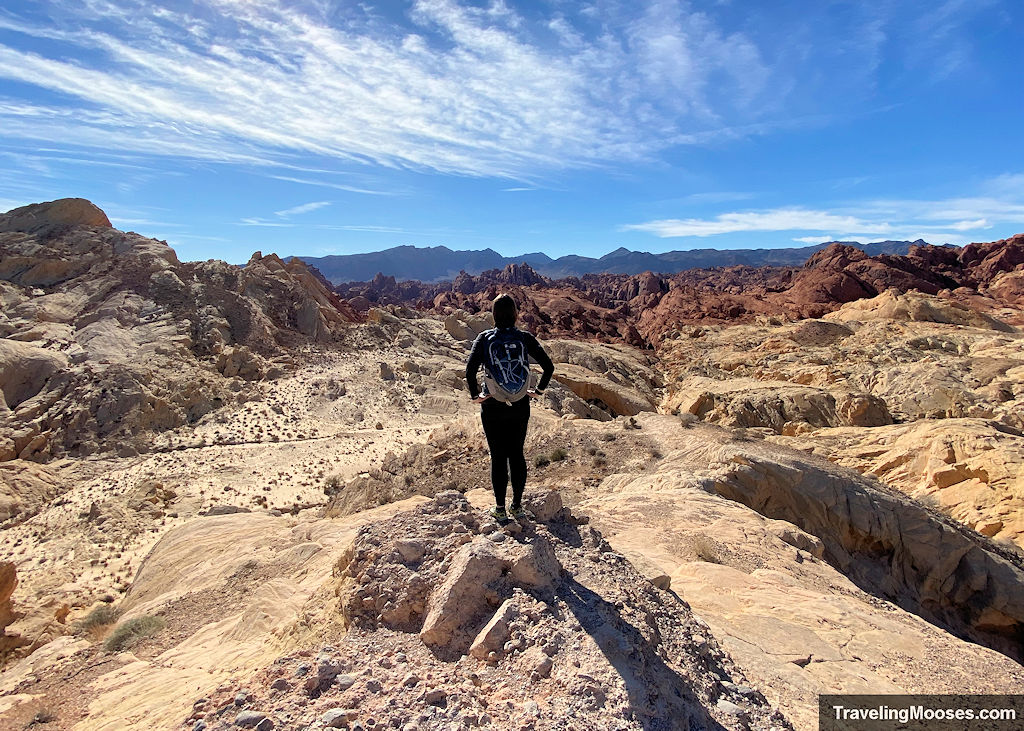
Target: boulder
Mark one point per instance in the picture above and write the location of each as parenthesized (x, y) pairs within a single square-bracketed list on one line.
[(25, 369)]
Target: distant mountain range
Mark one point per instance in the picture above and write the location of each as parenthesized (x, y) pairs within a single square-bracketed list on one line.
[(437, 263)]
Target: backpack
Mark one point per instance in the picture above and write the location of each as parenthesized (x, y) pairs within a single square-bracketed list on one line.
[(506, 365)]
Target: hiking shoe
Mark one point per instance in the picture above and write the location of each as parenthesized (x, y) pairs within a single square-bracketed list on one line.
[(499, 514), (519, 513)]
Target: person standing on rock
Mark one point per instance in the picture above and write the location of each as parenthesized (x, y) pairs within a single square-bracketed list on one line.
[(504, 352)]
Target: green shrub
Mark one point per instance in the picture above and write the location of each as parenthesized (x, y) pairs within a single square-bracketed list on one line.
[(101, 616), (541, 460), (558, 455), (129, 633)]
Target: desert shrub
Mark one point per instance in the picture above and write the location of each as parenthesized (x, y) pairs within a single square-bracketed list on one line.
[(129, 633), (332, 485), (42, 717), (705, 549), (102, 616), (541, 460), (558, 454)]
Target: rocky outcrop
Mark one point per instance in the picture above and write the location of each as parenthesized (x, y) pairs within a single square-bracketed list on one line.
[(24, 370), (108, 337), (891, 305), (783, 408), (515, 602), (796, 624), (45, 219), (884, 542), (25, 488), (971, 469)]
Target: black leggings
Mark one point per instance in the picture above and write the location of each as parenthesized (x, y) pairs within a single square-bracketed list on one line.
[(505, 429)]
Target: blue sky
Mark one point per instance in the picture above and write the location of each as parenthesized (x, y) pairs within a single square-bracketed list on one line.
[(317, 127)]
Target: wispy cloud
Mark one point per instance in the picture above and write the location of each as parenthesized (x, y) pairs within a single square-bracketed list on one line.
[(255, 221), (450, 88), (335, 186), (304, 208), (779, 219), (949, 219)]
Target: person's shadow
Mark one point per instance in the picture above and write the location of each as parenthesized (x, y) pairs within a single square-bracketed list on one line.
[(660, 698)]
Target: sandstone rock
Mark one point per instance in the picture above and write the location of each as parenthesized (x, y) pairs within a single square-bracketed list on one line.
[(24, 489), (457, 603), (338, 717), (495, 633), (914, 307), (969, 468), (240, 361), (24, 370), (458, 329), (44, 219)]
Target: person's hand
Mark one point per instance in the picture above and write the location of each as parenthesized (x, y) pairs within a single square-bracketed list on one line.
[(480, 399), (533, 394)]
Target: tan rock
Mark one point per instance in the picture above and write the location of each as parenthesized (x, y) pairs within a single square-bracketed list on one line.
[(458, 602), (915, 307), (25, 369), (496, 632)]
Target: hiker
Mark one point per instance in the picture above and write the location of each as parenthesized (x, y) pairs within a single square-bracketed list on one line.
[(504, 352)]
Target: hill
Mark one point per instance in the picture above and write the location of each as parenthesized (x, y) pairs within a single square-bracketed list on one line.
[(436, 263)]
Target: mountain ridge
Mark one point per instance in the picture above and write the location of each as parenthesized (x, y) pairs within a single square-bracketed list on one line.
[(438, 263)]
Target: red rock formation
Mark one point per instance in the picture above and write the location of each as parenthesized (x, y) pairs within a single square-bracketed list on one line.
[(641, 309)]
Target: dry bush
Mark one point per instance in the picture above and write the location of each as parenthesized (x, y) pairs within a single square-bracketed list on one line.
[(705, 549), (128, 634)]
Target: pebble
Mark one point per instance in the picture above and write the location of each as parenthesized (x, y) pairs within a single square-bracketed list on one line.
[(532, 709), (337, 717), (302, 670), (435, 696), (344, 682), (497, 536), (281, 684), (241, 698), (730, 708), (253, 719), (199, 725), (410, 680)]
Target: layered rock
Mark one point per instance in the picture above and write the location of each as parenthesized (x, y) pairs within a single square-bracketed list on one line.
[(107, 336), (789, 559), (971, 469)]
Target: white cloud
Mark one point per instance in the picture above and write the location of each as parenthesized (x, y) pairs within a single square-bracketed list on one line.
[(779, 219), (256, 221), (336, 186), (945, 220), (304, 208), (450, 88)]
